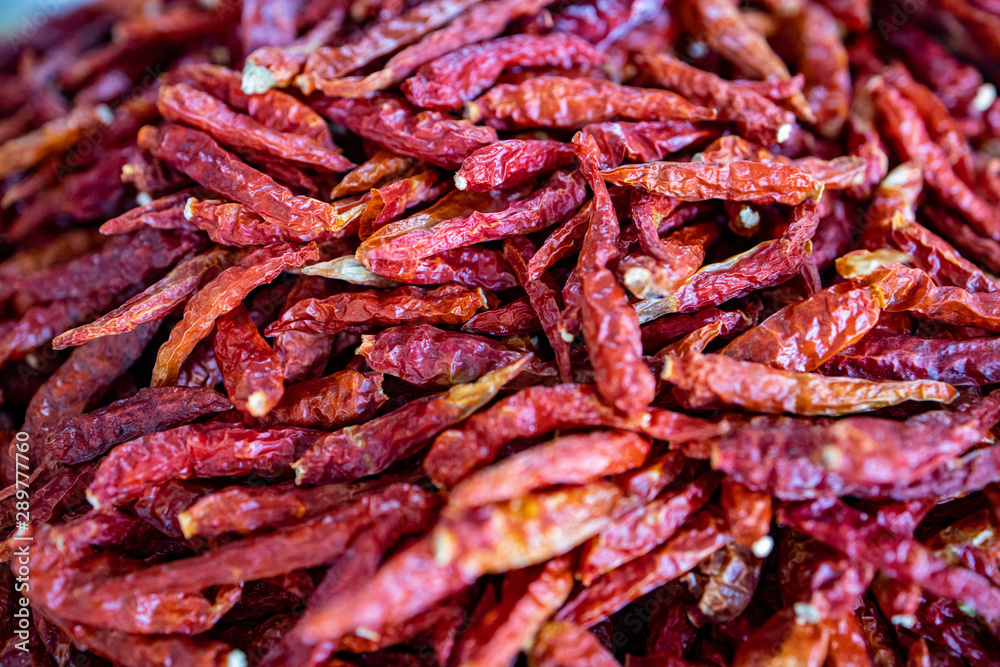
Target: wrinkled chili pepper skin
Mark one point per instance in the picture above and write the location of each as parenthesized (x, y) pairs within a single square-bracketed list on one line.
[(536, 411), (182, 103), (198, 450), (511, 162), (330, 402), (827, 456), (450, 304), (572, 103), (220, 296), (756, 117), (735, 181), (359, 451), (644, 529), (396, 126), (702, 381), (560, 196), (250, 369), (572, 459), (902, 357), (560, 643), (80, 438), (512, 319), (644, 141), (701, 536), (449, 82), (436, 359)]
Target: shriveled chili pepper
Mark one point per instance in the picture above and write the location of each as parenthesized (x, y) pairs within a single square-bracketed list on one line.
[(436, 359), (157, 301), (560, 644), (822, 58), (783, 639), (826, 455), (536, 411), (199, 450), (383, 37), (527, 599), (756, 117), (572, 459), (573, 103), (676, 259), (735, 181), (511, 162), (83, 437), (768, 263), (459, 550), (359, 451), (221, 295), (248, 509), (722, 26), (182, 103), (512, 319), (644, 529), (901, 288), (394, 125), (909, 136), (333, 401), (644, 141), (461, 76), (250, 368), (450, 304), (703, 534), (471, 266)]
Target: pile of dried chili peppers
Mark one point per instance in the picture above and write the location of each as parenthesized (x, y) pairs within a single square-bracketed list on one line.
[(467, 333)]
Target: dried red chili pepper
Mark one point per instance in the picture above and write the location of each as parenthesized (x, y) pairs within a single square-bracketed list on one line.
[(822, 58), (29, 149), (527, 599), (560, 644), (610, 327), (394, 125), (157, 301), (515, 318), (573, 103), (702, 535), (303, 355), (571, 459), (84, 437), (768, 263), (721, 25), (826, 455), (450, 304), (459, 550), (199, 450), (250, 368), (511, 162), (644, 529), (562, 194), (755, 116), (221, 295), (858, 536), (248, 509), (184, 104), (459, 77), (334, 401), (674, 260), (435, 359), (910, 138), (534, 412), (783, 639), (302, 218), (900, 288), (330, 63), (472, 266), (735, 181), (359, 451), (645, 141)]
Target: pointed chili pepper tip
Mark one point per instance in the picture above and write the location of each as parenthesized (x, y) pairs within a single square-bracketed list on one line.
[(256, 79)]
